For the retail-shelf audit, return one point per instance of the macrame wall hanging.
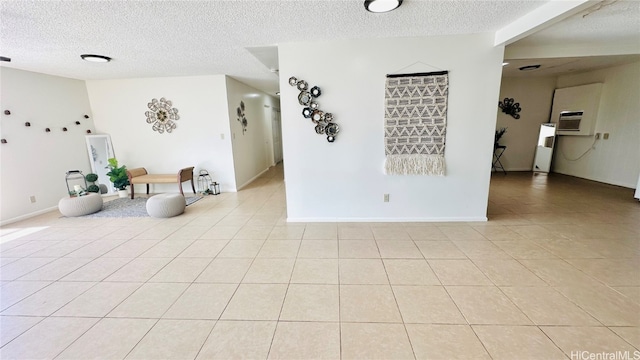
(415, 123)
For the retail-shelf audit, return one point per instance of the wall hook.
(27, 124)
(4, 141)
(47, 130)
(7, 112)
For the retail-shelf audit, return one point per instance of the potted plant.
(499, 133)
(118, 176)
(92, 178)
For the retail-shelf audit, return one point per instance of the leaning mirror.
(100, 150)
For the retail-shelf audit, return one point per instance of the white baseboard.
(27, 216)
(604, 181)
(512, 169)
(429, 219)
(519, 169)
(238, 188)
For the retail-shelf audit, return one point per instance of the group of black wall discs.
(307, 98)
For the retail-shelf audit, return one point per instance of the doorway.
(276, 123)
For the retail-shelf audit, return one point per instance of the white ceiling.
(238, 38)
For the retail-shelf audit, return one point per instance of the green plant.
(92, 178)
(118, 174)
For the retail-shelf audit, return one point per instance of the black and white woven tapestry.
(415, 123)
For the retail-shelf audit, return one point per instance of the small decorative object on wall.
(324, 124)
(162, 115)
(415, 123)
(48, 128)
(510, 107)
(4, 141)
(241, 118)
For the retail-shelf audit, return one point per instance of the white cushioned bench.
(141, 176)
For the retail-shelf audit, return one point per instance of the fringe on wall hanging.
(415, 123)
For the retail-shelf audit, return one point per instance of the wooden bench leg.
(132, 192)
(193, 186)
(147, 189)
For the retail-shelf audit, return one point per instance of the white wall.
(202, 137)
(253, 149)
(344, 180)
(616, 160)
(34, 162)
(535, 95)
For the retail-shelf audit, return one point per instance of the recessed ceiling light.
(4, 58)
(380, 6)
(529, 67)
(95, 58)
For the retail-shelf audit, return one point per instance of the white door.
(277, 135)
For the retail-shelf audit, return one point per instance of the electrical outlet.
(605, 136)
(386, 197)
(597, 136)
(32, 198)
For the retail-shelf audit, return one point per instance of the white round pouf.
(166, 205)
(80, 205)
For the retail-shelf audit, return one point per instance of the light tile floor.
(553, 275)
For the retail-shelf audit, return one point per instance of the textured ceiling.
(565, 65)
(607, 21)
(177, 38)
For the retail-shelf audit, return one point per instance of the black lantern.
(204, 179)
(75, 176)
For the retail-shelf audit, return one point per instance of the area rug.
(415, 123)
(125, 207)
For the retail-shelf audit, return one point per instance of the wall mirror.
(100, 150)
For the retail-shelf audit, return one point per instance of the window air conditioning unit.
(570, 120)
(575, 109)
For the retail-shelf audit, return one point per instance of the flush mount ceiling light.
(380, 6)
(95, 58)
(529, 67)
